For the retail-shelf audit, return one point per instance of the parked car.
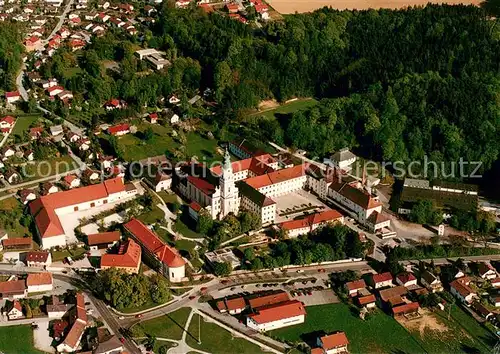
(138, 316)
(121, 317)
(122, 339)
(192, 297)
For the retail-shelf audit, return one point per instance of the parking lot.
(310, 291)
(295, 204)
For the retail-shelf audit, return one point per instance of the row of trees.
(11, 49)
(329, 243)
(123, 290)
(230, 226)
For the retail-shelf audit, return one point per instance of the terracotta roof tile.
(35, 279)
(37, 256)
(333, 341)
(129, 256)
(279, 311)
(276, 297)
(103, 238)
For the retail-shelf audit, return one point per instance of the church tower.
(228, 191)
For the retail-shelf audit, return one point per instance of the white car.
(121, 317)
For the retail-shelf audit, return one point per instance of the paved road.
(61, 21)
(19, 83)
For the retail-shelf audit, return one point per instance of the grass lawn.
(169, 326)
(216, 339)
(47, 168)
(185, 245)
(203, 148)
(288, 108)
(58, 256)
(169, 197)
(152, 216)
(149, 304)
(186, 226)
(23, 123)
(380, 333)
(17, 340)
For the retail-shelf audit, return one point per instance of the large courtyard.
(294, 205)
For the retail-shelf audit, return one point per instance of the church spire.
(227, 161)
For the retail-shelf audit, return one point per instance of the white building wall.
(262, 327)
(54, 241)
(40, 288)
(176, 274)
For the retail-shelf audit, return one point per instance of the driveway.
(41, 337)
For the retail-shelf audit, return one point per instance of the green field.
(380, 333)
(152, 216)
(186, 231)
(17, 340)
(287, 108)
(47, 168)
(169, 326)
(216, 339)
(58, 256)
(461, 333)
(23, 123)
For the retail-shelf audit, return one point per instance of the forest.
(395, 85)
(11, 49)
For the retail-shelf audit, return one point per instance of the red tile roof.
(259, 165)
(12, 287)
(43, 209)
(12, 94)
(195, 206)
(103, 238)
(461, 288)
(149, 240)
(279, 311)
(201, 184)
(118, 128)
(8, 119)
(356, 195)
(74, 334)
(35, 279)
(70, 178)
(406, 308)
(270, 299)
(235, 304)
(277, 176)
(379, 278)
(37, 256)
(129, 256)
(355, 285)
(12, 242)
(333, 341)
(368, 299)
(406, 277)
(312, 220)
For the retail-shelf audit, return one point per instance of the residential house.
(119, 130)
(21, 243)
(13, 96)
(406, 279)
(495, 282)
(29, 155)
(111, 346)
(114, 104)
(13, 289)
(56, 309)
(7, 152)
(71, 181)
(354, 286)
(333, 343)
(173, 99)
(48, 188)
(7, 122)
(431, 282)
(14, 310)
(382, 280)
(26, 195)
(153, 118)
(495, 300)
(90, 175)
(32, 43)
(405, 309)
(36, 133)
(162, 181)
(367, 301)
(171, 117)
(54, 91)
(56, 129)
(38, 259)
(78, 317)
(462, 291)
(486, 271)
(481, 310)
(39, 282)
(12, 177)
